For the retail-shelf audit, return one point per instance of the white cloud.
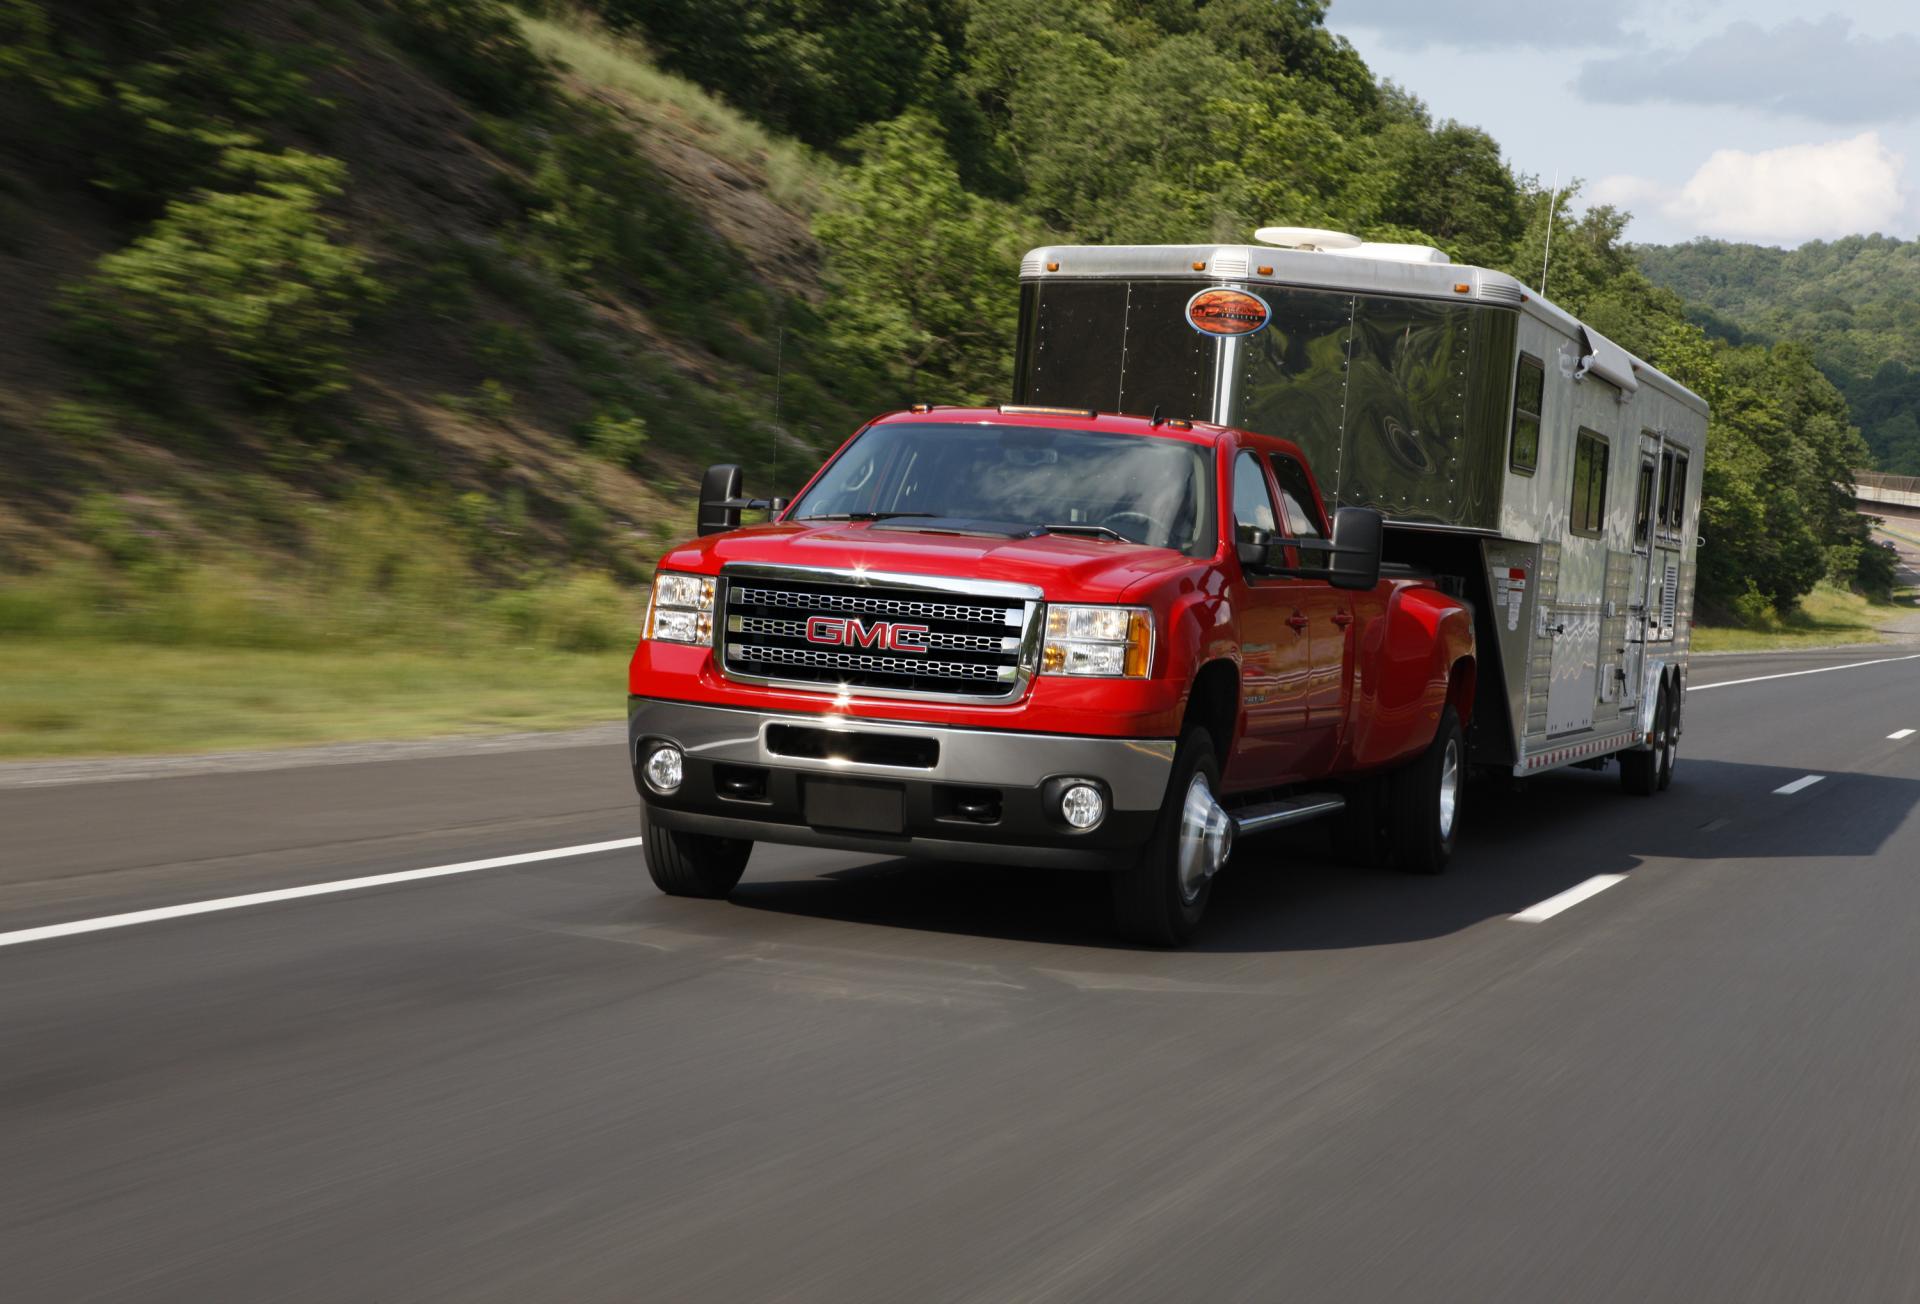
(1478, 24)
(1776, 196)
(1818, 69)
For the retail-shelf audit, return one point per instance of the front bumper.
(963, 794)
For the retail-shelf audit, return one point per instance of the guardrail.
(1887, 490)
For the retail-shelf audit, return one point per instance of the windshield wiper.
(862, 516)
(1077, 527)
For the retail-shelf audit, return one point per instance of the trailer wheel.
(1423, 801)
(1159, 900)
(1642, 770)
(1670, 746)
(691, 864)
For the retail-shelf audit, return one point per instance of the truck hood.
(1059, 565)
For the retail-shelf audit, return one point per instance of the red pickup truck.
(1047, 637)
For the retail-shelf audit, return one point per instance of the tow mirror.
(1255, 547)
(721, 503)
(1355, 563)
(719, 500)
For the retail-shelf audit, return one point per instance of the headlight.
(1108, 642)
(681, 610)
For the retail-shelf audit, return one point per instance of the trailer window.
(1643, 504)
(1676, 501)
(1296, 498)
(1590, 456)
(1529, 390)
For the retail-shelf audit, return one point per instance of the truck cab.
(1046, 636)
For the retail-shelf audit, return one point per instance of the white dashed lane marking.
(1787, 790)
(1573, 896)
(1898, 734)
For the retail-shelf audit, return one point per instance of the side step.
(1288, 810)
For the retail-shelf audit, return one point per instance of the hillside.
(268, 260)
(1855, 301)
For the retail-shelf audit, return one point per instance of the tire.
(1151, 904)
(691, 864)
(1423, 801)
(1670, 752)
(1359, 831)
(1641, 769)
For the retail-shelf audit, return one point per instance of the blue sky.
(1761, 121)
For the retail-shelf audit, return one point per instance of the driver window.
(1252, 504)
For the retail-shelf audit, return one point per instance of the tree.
(922, 271)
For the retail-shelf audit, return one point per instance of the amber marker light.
(1053, 267)
(1264, 271)
(1199, 267)
(1462, 288)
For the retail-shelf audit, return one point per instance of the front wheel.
(691, 864)
(1160, 899)
(1423, 801)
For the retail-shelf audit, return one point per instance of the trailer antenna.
(1546, 248)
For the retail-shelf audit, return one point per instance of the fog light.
(1082, 806)
(663, 769)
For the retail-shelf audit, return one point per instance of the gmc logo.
(889, 637)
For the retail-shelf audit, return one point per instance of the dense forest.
(298, 280)
(1854, 302)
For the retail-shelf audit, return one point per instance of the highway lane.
(861, 1080)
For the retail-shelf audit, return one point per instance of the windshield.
(1151, 491)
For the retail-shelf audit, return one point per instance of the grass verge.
(65, 699)
(1827, 617)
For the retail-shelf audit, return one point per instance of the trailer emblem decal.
(883, 634)
(1227, 312)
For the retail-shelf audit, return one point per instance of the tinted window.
(1643, 504)
(1252, 505)
(1589, 507)
(1677, 500)
(1152, 491)
(1296, 498)
(1529, 391)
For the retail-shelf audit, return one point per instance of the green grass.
(1826, 617)
(68, 699)
(621, 64)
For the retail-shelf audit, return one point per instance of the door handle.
(1343, 618)
(1298, 620)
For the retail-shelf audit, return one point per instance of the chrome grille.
(974, 638)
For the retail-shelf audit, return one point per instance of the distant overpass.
(1887, 495)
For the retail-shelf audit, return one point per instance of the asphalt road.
(861, 1080)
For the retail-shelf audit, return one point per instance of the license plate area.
(849, 804)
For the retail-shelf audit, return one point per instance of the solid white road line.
(1898, 734)
(311, 890)
(1787, 790)
(1573, 896)
(1821, 670)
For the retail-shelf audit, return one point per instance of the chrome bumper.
(1135, 770)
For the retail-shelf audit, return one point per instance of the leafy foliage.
(255, 276)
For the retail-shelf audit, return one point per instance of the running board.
(1288, 810)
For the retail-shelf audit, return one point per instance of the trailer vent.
(1030, 266)
(1230, 267)
(1503, 290)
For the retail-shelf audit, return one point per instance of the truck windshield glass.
(1151, 491)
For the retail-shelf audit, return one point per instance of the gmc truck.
(1047, 636)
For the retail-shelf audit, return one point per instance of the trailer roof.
(1352, 272)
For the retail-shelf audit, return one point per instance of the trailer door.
(1575, 618)
(1642, 614)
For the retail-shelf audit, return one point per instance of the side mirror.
(1356, 548)
(719, 500)
(1255, 547)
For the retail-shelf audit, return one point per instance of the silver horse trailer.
(1516, 453)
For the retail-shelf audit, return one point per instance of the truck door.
(1330, 621)
(1275, 648)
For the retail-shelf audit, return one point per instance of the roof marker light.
(1053, 267)
(1462, 288)
(1264, 271)
(1199, 267)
